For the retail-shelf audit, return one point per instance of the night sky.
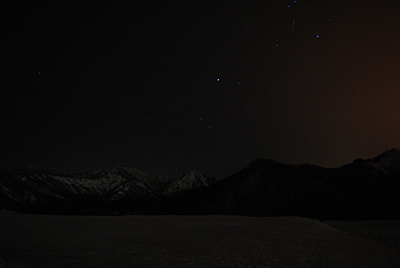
(174, 86)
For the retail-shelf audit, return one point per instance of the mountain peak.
(388, 154)
(387, 161)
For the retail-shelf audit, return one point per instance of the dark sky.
(197, 85)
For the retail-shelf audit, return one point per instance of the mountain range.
(109, 191)
(363, 189)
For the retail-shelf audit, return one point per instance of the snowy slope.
(182, 241)
(36, 187)
(386, 162)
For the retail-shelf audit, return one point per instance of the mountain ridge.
(32, 190)
(268, 188)
(363, 189)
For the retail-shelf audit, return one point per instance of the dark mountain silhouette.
(364, 189)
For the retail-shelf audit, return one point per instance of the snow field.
(183, 241)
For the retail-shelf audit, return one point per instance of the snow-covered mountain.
(191, 180)
(104, 189)
(363, 189)
(386, 162)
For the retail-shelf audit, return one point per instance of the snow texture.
(386, 162)
(183, 241)
(113, 184)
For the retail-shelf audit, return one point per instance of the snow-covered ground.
(183, 241)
